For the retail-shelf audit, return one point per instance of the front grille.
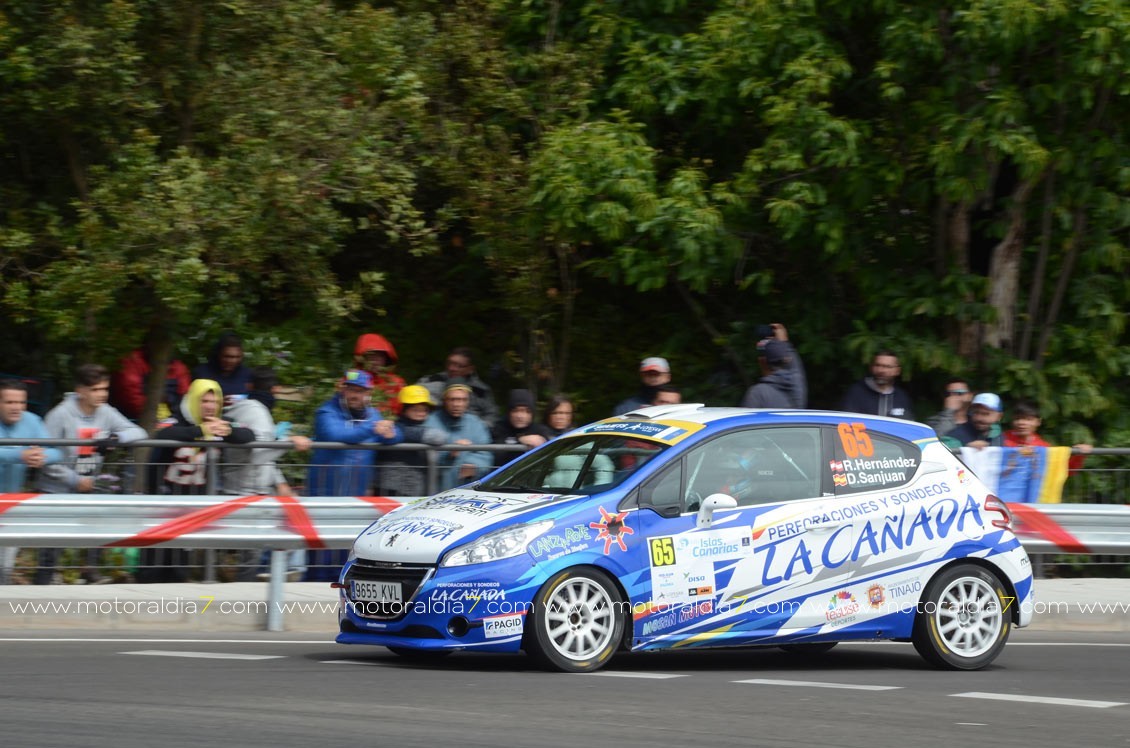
(409, 576)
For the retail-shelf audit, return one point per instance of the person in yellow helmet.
(404, 473)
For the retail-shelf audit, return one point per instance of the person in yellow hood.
(184, 470)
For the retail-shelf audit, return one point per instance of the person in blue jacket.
(463, 428)
(17, 423)
(346, 417)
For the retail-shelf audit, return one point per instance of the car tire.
(578, 623)
(962, 621)
(808, 650)
(420, 655)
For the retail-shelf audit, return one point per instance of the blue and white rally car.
(684, 526)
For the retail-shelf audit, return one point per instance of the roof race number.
(855, 440)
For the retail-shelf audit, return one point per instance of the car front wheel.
(577, 621)
(962, 622)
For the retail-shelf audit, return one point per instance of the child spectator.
(1025, 422)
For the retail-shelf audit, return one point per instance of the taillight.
(993, 504)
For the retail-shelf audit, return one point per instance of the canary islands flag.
(1026, 475)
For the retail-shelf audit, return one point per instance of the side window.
(866, 461)
(757, 466)
(664, 492)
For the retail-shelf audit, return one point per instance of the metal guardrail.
(274, 523)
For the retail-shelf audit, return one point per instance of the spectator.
(460, 366)
(559, 414)
(518, 427)
(654, 371)
(955, 408)
(254, 472)
(225, 365)
(879, 394)
(1025, 422)
(83, 414)
(184, 470)
(464, 428)
(346, 417)
(783, 382)
(667, 394)
(17, 423)
(128, 386)
(983, 428)
(404, 473)
(374, 354)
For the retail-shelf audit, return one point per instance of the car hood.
(421, 531)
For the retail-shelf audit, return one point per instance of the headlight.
(351, 557)
(505, 543)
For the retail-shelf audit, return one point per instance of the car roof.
(712, 418)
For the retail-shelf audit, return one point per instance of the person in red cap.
(374, 354)
(654, 372)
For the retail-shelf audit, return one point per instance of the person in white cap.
(654, 372)
(983, 429)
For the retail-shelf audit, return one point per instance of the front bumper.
(481, 607)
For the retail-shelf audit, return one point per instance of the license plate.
(377, 592)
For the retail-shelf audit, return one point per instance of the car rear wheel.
(962, 621)
(577, 621)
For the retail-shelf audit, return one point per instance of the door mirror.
(714, 501)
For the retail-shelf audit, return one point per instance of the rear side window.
(868, 461)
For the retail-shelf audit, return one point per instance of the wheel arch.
(1009, 588)
(629, 622)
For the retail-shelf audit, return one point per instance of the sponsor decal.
(962, 476)
(700, 591)
(668, 432)
(612, 530)
(876, 537)
(469, 503)
(690, 612)
(425, 527)
(391, 539)
(718, 545)
(875, 597)
(470, 585)
(904, 587)
(840, 514)
(842, 608)
(658, 624)
(573, 539)
(497, 626)
(468, 594)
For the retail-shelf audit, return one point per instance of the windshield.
(579, 465)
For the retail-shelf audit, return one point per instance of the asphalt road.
(69, 689)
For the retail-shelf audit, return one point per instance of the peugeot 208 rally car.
(687, 526)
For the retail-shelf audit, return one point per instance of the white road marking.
(816, 684)
(202, 655)
(350, 662)
(1038, 699)
(972, 724)
(652, 676)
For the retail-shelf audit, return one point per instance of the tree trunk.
(1004, 273)
(1076, 240)
(1036, 290)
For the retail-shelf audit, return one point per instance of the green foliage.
(571, 186)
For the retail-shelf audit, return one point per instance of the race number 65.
(855, 440)
(662, 552)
